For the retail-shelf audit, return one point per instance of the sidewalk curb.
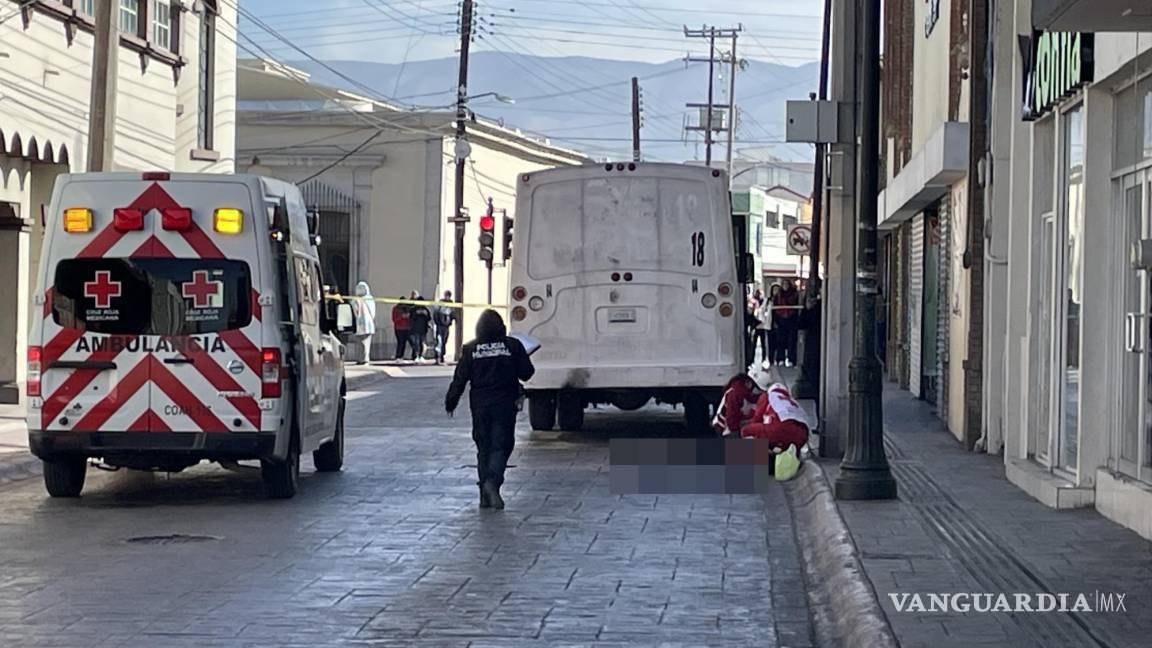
(844, 606)
(18, 466)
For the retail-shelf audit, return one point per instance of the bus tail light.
(33, 381)
(519, 313)
(536, 303)
(270, 373)
(726, 310)
(725, 289)
(708, 300)
(77, 220)
(519, 293)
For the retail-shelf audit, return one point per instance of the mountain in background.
(585, 103)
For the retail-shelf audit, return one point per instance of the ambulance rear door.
(208, 291)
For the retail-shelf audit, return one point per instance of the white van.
(629, 275)
(182, 320)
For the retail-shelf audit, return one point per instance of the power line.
(707, 11)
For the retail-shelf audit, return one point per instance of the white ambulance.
(183, 320)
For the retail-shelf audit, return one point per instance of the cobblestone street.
(394, 552)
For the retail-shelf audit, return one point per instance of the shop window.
(1073, 190)
(1134, 115)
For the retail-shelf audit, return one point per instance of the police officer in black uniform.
(495, 364)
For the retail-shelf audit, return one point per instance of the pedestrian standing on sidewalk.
(364, 307)
(766, 331)
(419, 321)
(443, 317)
(494, 364)
(787, 319)
(401, 323)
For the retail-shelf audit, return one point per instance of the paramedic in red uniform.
(495, 364)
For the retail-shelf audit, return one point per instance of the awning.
(942, 162)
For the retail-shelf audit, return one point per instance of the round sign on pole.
(800, 240)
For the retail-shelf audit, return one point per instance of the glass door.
(1132, 453)
(1044, 277)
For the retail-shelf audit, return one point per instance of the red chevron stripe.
(100, 245)
(184, 398)
(221, 380)
(204, 247)
(60, 343)
(116, 398)
(149, 422)
(73, 385)
(244, 348)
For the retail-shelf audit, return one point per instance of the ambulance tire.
(282, 478)
(542, 411)
(65, 477)
(570, 412)
(697, 420)
(329, 457)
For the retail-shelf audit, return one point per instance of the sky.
(394, 31)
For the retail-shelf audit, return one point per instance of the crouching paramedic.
(494, 364)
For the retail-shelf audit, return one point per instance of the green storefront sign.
(1057, 64)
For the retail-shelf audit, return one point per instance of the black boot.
(484, 499)
(493, 492)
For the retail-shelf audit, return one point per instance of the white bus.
(631, 277)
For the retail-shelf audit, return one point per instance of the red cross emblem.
(102, 289)
(202, 292)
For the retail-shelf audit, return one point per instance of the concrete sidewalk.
(15, 461)
(960, 526)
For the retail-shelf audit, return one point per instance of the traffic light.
(487, 236)
(508, 237)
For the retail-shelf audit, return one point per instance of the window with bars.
(162, 24)
(129, 20)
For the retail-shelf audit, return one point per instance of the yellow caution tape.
(414, 302)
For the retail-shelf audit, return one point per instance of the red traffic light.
(487, 223)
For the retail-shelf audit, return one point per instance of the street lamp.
(496, 95)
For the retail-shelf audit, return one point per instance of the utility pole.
(461, 152)
(102, 101)
(864, 472)
(808, 384)
(712, 33)
(732, 103)
(635, 119)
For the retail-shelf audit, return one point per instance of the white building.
(1068, 388)
(175, 110)
(383, 179)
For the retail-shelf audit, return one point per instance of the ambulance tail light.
(127, 220)
(519, 293)
(270, 373)
(725, 289)
(176, 219)
(228, 220)
(33, 382)
(77, 220)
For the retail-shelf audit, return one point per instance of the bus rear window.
(152, 296)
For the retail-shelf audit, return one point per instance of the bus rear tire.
(542, 411)
(696, 414)
(570, 412)
(65, 477)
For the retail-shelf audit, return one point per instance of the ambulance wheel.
(696, 414)
(65, 477)
(329, 457)
(281, 478)
(570, 412)
(542, 411)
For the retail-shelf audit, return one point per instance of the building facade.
(1069, 382)
(174, 110)
(383, 181)
(928, 324)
